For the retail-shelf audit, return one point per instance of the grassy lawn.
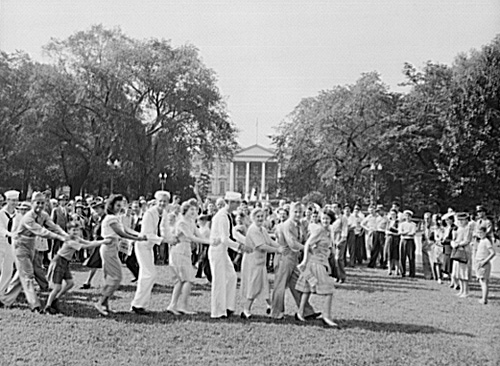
(384, 320)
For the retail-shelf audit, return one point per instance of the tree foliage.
(438, 144)
(105, 98)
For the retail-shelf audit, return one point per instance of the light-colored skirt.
(254, 280)
(462, 271)
(180, 262)
(315, 279)
(111, 264)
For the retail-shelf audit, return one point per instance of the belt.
(407, 238)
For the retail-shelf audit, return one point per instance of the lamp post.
(375, 169)
(114, 164)
(163, 180)
(336, 182)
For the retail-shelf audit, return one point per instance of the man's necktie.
(159, 226)
(10, 223)
(230, 227)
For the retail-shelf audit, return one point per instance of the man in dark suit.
(61, 218)
(290, 235)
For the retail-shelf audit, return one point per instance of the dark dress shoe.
(85, 286)
(312, 316)
(50, 310)
(2, 305)
(37, 309)
(229, 312)
(245, 316)
(139, 311)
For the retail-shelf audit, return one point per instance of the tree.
(108, 97)
(329, 142)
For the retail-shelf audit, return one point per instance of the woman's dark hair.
(187, 205)
(110, 203)
(331, 215)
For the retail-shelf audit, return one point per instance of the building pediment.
(254, 152)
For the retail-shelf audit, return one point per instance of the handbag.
(459, 254)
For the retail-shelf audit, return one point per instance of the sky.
(268, 55)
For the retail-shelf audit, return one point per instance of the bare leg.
(65, 288)
(184, 297)
(247, 307)
(484, 290)
(176, 293)
(327, 311)
(92, 273)
(303, 301)
(53, 295)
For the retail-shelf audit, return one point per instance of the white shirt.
(220, 229)
(4, 221)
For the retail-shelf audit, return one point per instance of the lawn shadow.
(397, 328)
(86, 310)
(366, 281)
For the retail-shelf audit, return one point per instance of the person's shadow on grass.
(82, 309)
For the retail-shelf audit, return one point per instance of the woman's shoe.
(85, 286)
(268, 310)
(173, 311)
(101, 309)
(330, 323)
(245, 315)
(186, 312)
(299, 317)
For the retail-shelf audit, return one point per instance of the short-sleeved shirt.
(483, 249)
(68, 249)
(106, 229)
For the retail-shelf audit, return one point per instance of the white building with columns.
(253, 172)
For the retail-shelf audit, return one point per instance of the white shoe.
(101, 309)
(330, 323)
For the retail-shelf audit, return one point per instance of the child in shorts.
(484, 254)
(59, 266)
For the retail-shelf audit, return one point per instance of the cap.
(12, 195)
(232, 196)
(38, 196)
(480, 208)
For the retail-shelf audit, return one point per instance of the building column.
(231, 177)
(247, 180)
(263, 182)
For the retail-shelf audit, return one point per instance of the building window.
(222, 187)
(222, 169)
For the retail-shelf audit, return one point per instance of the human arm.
(311, 243)
(195, 237)
(28, 221)
(126, 234)
(290, 238)
(263, 242)
(87, 244)
(491, 255)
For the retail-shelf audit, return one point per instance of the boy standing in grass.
(484, 254)
(59, 266)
